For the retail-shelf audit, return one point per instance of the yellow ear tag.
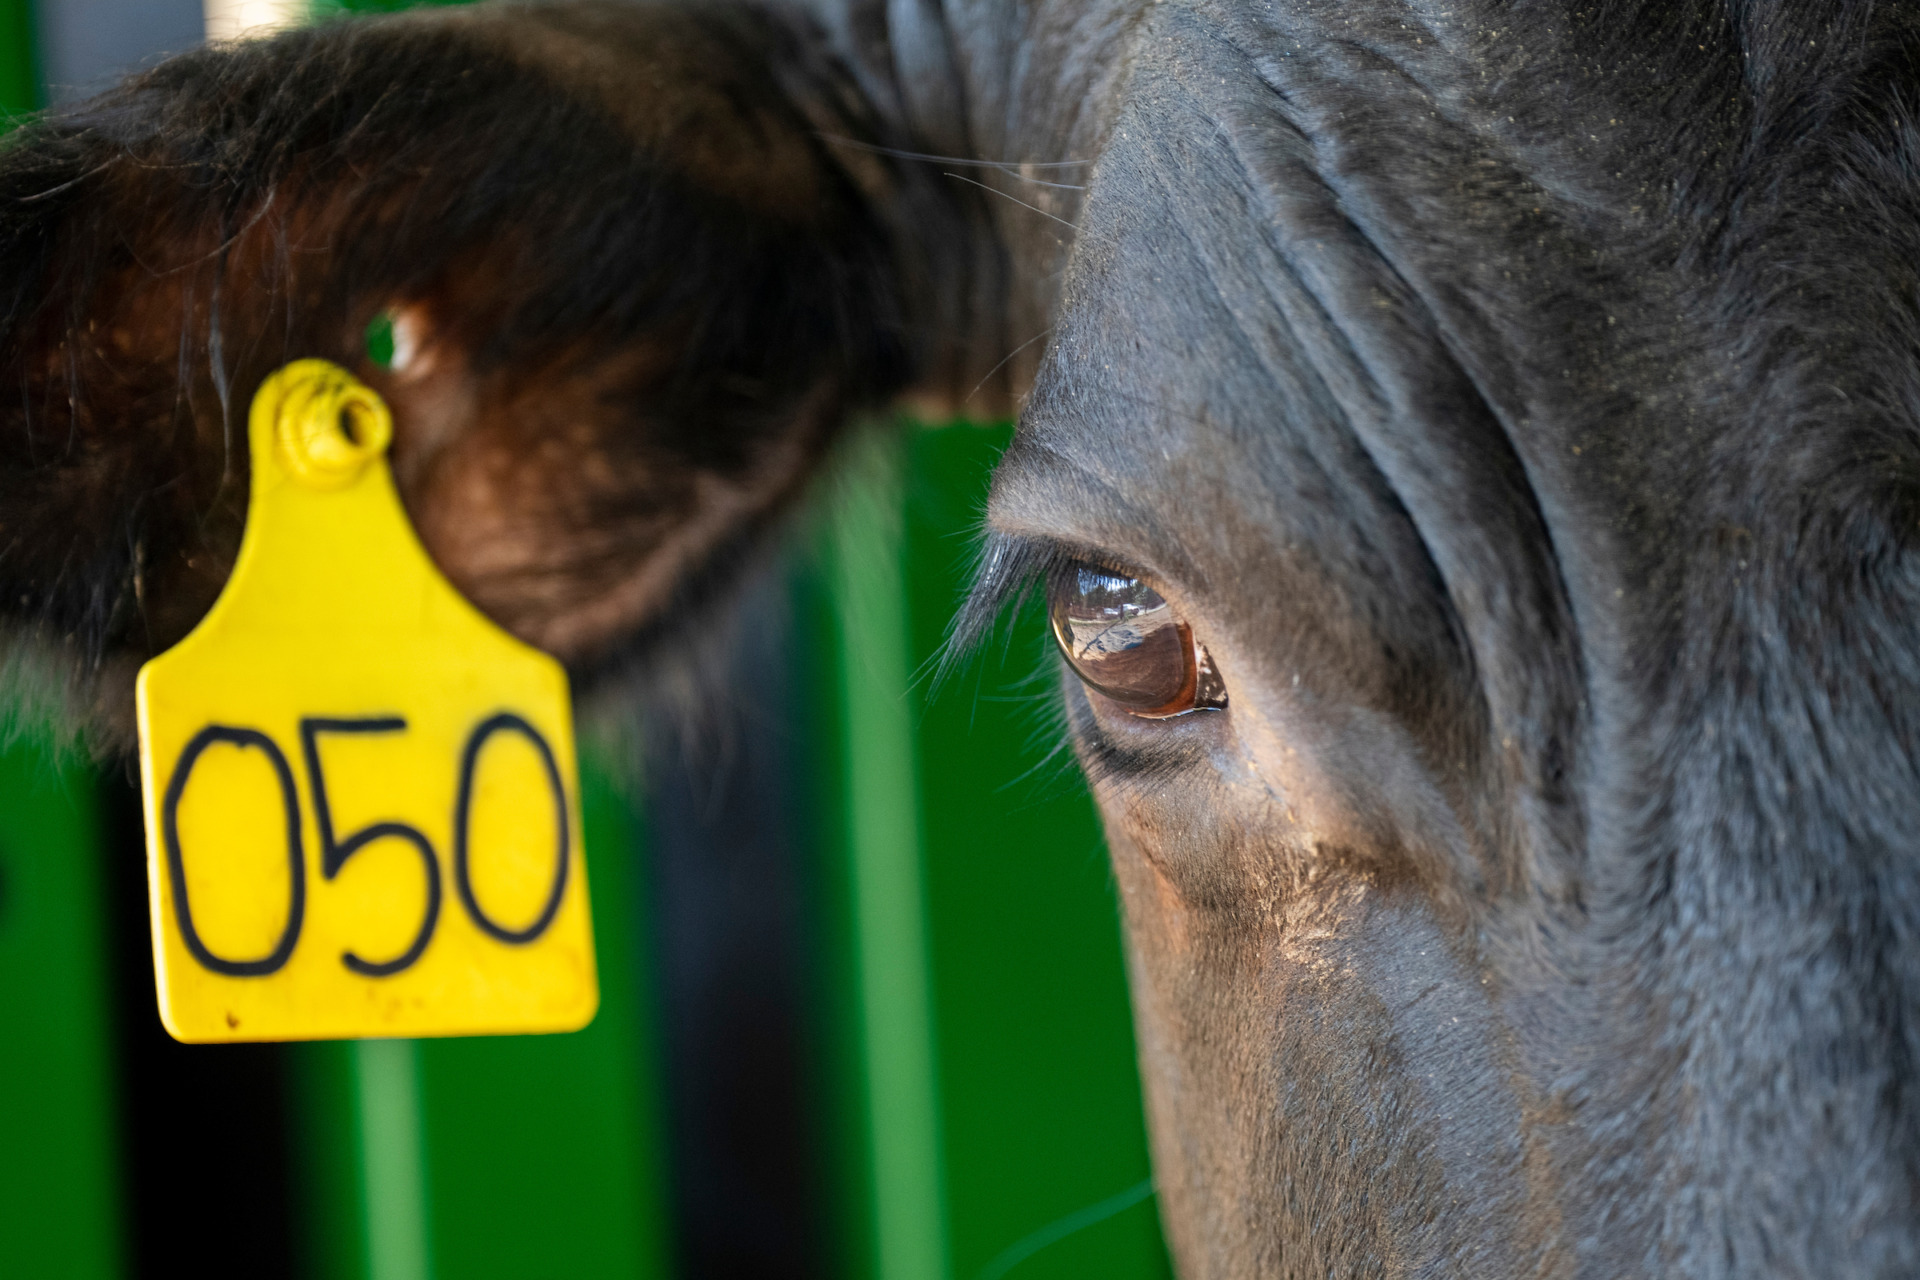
(362, 813)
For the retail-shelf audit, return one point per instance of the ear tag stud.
(362, 812)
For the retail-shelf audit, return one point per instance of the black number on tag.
(506, 721)
(176, 864)
(335, 852)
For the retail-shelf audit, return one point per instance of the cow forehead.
(1297, 256)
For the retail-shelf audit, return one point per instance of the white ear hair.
(409, 332)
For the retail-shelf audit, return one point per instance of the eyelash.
(1012, 570)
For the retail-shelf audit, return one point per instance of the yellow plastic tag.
(362, 814)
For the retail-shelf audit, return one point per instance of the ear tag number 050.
(362, 815)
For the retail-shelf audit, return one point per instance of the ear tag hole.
(328, 435)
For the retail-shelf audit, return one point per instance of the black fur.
(1522, 402)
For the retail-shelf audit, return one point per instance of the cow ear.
(637, 289)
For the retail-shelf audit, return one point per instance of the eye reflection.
(1124, 640)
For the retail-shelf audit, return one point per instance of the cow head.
(1492, 430)
(1518, 409)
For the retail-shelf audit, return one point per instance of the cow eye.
(1126, 642)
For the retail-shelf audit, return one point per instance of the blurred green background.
(863, 1006)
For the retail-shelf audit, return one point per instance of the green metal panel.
(843, 1117)
(393, 1186)
(960, 811)
(542, 1150)
(897, 1059)
(517, 1157)
(19, 58)
(329, 1185)
(59, 1209)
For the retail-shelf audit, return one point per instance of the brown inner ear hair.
(629, 368)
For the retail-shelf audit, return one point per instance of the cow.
(1470, 452)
